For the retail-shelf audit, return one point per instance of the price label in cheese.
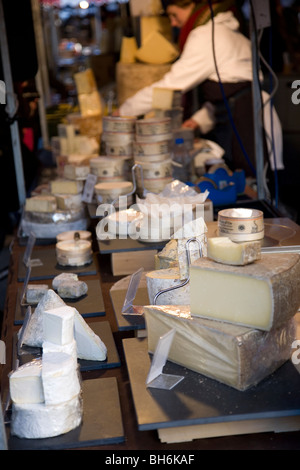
(88, 190)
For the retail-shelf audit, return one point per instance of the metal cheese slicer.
(186, 281)
(133, 191)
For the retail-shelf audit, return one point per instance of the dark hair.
(178, 3)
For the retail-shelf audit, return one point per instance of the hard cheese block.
(223, 250)
(156, 49)
(234, 355)
(166, 98)
(42, 203)
(262, 295)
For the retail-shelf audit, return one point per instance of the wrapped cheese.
(234, 355)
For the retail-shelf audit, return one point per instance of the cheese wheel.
(161, 279)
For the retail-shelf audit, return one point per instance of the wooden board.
(200, 401)
(89, 305)
(101, 424)
(49, 267)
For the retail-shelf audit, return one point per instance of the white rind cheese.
(72, 289)
(63, 277)
(34, 333)
(263, 295)
(224, 250)
(59, 325)
(234, 355)
(161, 279)
(38, 421)
(25, 383)
(70, 349)
(89, 345)
(35, 293)
(60, 378)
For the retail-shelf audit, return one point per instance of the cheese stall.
(141, 313)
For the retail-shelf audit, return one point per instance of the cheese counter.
(119, 412)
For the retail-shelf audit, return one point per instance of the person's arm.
(193, 67)
(204, 119)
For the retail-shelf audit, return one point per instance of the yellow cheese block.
(263, 295)
(166, 98)
(157, 50)
(155, 23)
(224, 250)
(64, 186)
(128, 51)
(42, 203)
(234, 355)
(85, 82)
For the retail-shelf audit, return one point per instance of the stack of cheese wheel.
(118, 135)
(151, 150)
(74, 252)
(109, 169)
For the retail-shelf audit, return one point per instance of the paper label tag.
(88, 190)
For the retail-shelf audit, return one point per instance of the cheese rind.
(72, 289)
(224, 250)
(35, 292)
(169, 278)
(235, 355)
(263, 295)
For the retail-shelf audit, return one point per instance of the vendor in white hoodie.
(195, 68)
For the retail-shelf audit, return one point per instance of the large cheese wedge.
(64, 186)
(169, 278)
(37, 421)
(224, 250)
(263, 295)
(89, 345)
(156, 49)
(234, 355)
(85, 81)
